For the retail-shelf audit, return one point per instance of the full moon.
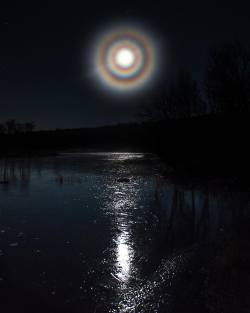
(125, 58)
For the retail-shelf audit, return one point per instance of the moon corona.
(125, 59)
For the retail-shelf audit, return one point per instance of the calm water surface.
(102, 232)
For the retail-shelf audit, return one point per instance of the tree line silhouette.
(12, 127)
(225, 88)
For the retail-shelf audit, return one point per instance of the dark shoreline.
(200, 147)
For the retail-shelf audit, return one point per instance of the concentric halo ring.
(125, 59)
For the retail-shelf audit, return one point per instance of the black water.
(106, 232)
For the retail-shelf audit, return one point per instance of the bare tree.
(2, 129)
(11, 126)
(187, 97)
(29, 127)
(20, 128)
(178, 98)
(227, 81)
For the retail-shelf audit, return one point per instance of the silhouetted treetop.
(227, 81)
(12, 127)
(178, 98)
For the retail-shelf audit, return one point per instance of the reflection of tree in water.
(13, 171)
(19, 171)
(189, 214)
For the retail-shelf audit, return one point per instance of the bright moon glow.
(125, 58)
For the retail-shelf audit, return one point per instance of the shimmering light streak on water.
(121, 204)
(124, 255)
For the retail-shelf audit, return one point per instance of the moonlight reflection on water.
(121, 206)
(124, 197)
(124, 256)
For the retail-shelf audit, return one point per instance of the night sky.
(44, 72)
